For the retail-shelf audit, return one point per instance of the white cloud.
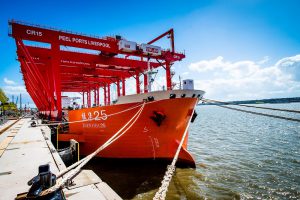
(290, 65)
(9, 82)
(14, 90)
(264, 60)
(208, 65)
(247, 79)
(184, 74)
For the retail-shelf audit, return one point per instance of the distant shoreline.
(259, 101)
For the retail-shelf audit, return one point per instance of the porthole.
(172, 96)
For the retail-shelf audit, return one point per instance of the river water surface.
(238, 155)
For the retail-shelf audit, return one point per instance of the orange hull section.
(145, 139)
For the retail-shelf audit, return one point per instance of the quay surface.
(24, 148)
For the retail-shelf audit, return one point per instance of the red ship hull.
(145, 139)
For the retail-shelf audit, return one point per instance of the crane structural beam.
(72, 62)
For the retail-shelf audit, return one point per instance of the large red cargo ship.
(160, 117)
(156, 133)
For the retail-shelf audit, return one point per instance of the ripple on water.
(239, 156)
(254, 156)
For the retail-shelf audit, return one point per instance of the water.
(238, 155)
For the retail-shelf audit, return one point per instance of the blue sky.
(235, 49)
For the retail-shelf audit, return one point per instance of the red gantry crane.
(49, 71)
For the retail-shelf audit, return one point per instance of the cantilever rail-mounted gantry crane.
(49, 71)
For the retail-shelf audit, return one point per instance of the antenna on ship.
(179, 82)
(149, 74)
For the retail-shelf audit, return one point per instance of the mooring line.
(262, 114)
(162, 191)
(112, 138)
(87, 120)
(266, 108)
(84, 161)
(251, 112)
